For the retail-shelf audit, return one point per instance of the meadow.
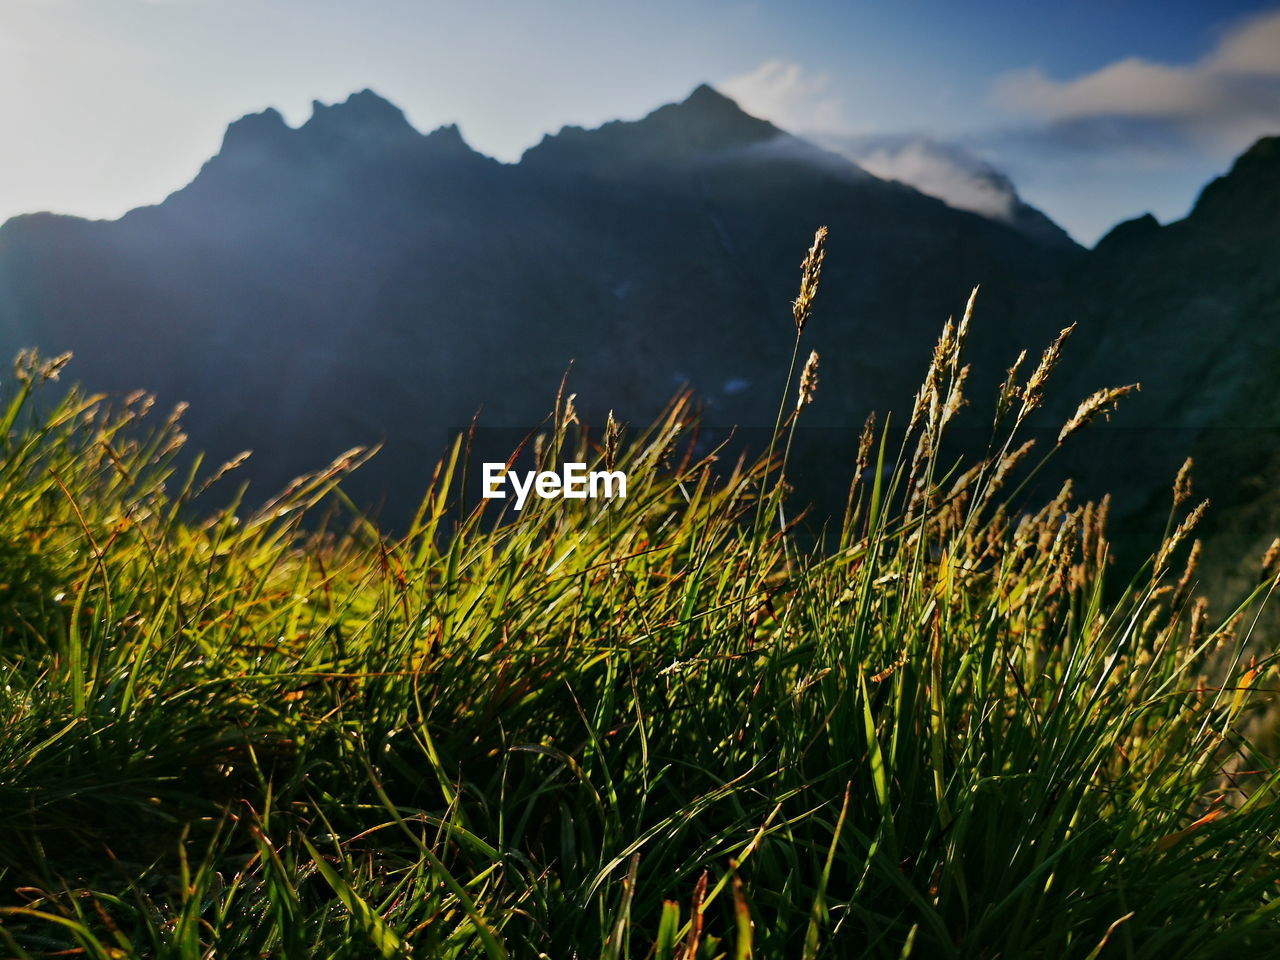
(663, 726)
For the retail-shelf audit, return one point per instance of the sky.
(1099, 110)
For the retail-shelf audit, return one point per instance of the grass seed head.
(963, 333)
(810, 274)
(612, 433)
(1100, 529)
(569, 416)
(53, 367)
(1175, 539)
(1269, 559)
(865, 442)
(1007, 464)
(1009, 389)
(928, 399)
(955, 398)
(177, 413)
(1101, 404)
(1188, 574)
(1199, 617)
(808, 381)
(1033, 393)
(1182, 484)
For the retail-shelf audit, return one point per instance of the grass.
(660, 727)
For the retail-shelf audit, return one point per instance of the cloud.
(943, 170)
(952, 172)
(789, 95)
(1221, 102)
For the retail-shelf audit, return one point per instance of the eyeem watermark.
(573, 483)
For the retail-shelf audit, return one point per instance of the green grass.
(659, 727)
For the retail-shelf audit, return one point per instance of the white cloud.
(942, 170)
(792, 97)
(1224, 100)
(1253, 48)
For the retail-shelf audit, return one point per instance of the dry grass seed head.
(1009, 389)
(1088, 531)
(808, 381)
(865, 442)
(53, 367)
(1100, 517)
(1199, 616)
(612, 433)
(570, 415)
(810, 274)
(928, 398)
(963, 333)
(1182, 483)
(178, 412)
(1175, 539)
(1188, 573)
(1269, 559)
(1101, 404)
(1008, 463)
(1033, 393)
(955, 399)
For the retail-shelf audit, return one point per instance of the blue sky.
(1099, 110)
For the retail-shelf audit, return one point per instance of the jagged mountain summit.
(705, 124)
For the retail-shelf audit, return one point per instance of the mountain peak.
(708, 120)
(1261, 159)
(448, 140)
(704, 123)
(255, 130)
(706, 96)
(363, 114)
(1139, 230)
(364, 120)
(1250, 192)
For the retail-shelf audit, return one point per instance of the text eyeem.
(573, 482)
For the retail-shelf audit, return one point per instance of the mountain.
(354, 280)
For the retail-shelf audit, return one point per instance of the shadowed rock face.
(354, 280)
